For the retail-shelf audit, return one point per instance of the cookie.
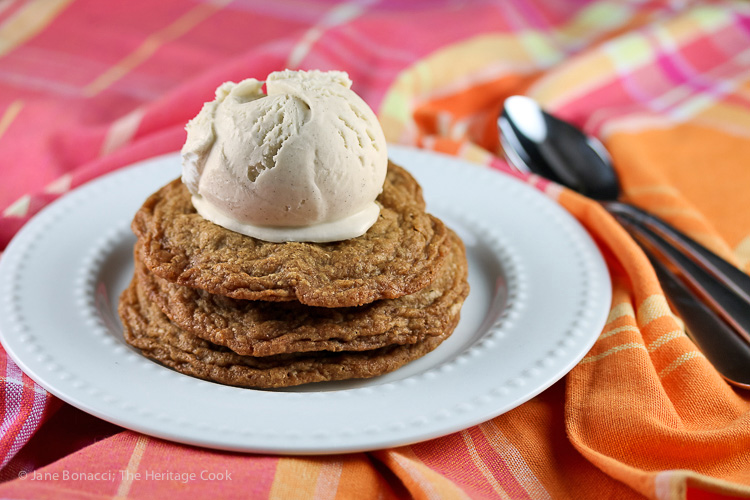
(400, 254)
(149, 330)
(258, 328)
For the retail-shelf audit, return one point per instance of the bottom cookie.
(149, 330)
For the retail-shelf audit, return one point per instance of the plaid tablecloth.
(88, 86)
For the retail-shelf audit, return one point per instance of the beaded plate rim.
(521, 246)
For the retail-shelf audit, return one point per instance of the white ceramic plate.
(540, 293)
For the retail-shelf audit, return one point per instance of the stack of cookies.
(225, 307)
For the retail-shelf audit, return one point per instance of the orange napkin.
(644, 406)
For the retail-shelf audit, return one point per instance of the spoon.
(535, 141)
(538, 142)
(729, 353)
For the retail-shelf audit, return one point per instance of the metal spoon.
(729, 353)
(538, 142)
(535, 141)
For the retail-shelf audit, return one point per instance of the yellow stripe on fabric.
(60, 185)
(436, 487)
(426, 76)
(473, 153)
(615, 331)
(653, 308)
(636, 123)
(595, 18)
(681, 28)
(608, 352)
(620, 310)
(487, 57)
(693, 106)
(726, 116)
(448, 70)
(679, 362)
(149, 46)
(395, 111)
(540, 47)
(481, 466)
(676, 211)
(693, 24)
(16, 382)
(415, 474)
(711, 18)
(295, 478)
(14, 108)
(19, 208)
(28, 21)
(517, 465)
(629, 52)
(122, 131)
(688, 104)
(670, 99)
(653, 189)
(663, 339)
(135, 460)
(581, 76)
(336, 16)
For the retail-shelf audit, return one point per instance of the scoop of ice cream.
(302, 162)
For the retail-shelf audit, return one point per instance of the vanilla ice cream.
(302, 162)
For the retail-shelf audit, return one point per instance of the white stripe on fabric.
(30, 425)
(481, 466)
(328, 480)
(515, 460)
(338, 15)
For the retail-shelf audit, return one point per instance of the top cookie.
(399, 255)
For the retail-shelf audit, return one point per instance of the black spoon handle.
(730, 306)
(732, 277)
(719, 342)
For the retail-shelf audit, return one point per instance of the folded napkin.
(88, 87)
